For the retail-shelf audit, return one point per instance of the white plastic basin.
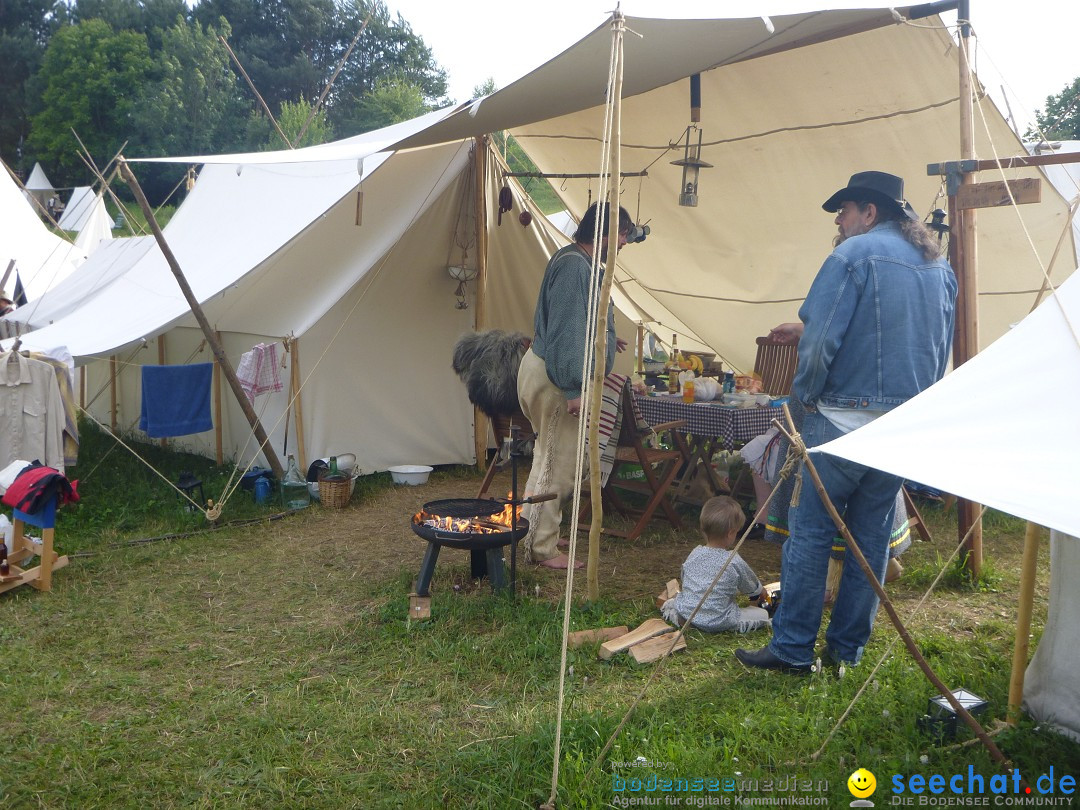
(411, 474)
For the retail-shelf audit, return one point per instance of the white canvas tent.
(80, 209)
(784, 126)
(782, 123)
(42, 258)
(972, 433)
(38, 187)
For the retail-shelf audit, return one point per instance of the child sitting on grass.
(721, 519)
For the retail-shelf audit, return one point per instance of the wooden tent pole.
(217, 410)
(967, 305)
(1023, 621)
(112, 393)
(204, 324)
(480, 144)
(163, 441)
(599, 358)
(297, 400)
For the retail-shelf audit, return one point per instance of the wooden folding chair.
(659, 466)
(914, 518)
(500, 426)
(775, 365)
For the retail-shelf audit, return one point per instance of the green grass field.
(273, 665)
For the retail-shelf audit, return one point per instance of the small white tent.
(79, 209)
(39, 188)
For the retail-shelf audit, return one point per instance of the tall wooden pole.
(480, 421)
(204, 324)
(1023, 620)
(298, 409)
(220, 420)
(599, 359)
(163, 442)
(112, 393)
(967, 309)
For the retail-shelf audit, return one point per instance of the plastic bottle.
(262, 489)
(673, 366)
(294, 488)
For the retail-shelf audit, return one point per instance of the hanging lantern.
(691, 161)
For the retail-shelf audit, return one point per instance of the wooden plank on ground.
(670, 591)
(581, 637)
(646, 630)
(994, 194)
(655, 648)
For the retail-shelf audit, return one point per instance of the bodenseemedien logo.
(862, 784)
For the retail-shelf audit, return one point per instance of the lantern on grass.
(940, 718)
(193, 489)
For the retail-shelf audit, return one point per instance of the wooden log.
(419, 606)
(671, 590)
(644, 631)
(655, 648)
(580, 638)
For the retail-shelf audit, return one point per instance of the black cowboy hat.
(882, 189)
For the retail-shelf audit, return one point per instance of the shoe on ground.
(757, 531)
(764, 659)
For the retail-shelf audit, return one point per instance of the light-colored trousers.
(554, 455)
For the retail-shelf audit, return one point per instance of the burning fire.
(492, 524)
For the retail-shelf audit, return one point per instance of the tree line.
(155, 78)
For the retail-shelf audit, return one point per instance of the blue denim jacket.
(878, 324)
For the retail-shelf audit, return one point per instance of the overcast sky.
(1036, 51)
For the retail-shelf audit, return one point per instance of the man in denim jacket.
(876, 329)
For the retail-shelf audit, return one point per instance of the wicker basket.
(335, 494)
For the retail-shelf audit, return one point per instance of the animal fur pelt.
(487, 363)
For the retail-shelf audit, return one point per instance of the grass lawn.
(273, 665)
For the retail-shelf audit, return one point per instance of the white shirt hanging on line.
(31, 412)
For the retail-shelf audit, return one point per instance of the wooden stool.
(22, 548)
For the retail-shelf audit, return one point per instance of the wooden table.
(709, 426)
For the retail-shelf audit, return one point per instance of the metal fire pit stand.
(485, 551)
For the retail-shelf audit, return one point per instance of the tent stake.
(208, 331)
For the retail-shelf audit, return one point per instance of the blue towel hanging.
(176, 400)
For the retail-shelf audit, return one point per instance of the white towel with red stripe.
(258, 371)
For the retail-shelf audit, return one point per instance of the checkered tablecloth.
(729, 425)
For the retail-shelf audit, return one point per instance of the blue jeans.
(866, 498)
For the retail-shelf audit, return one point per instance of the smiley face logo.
(861, 783)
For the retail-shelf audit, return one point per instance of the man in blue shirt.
(876, 329)
(550, 376)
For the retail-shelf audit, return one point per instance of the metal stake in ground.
(208, 331)
(909, 642)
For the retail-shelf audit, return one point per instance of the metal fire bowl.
(467, 508)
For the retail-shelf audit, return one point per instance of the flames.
(490, 524)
